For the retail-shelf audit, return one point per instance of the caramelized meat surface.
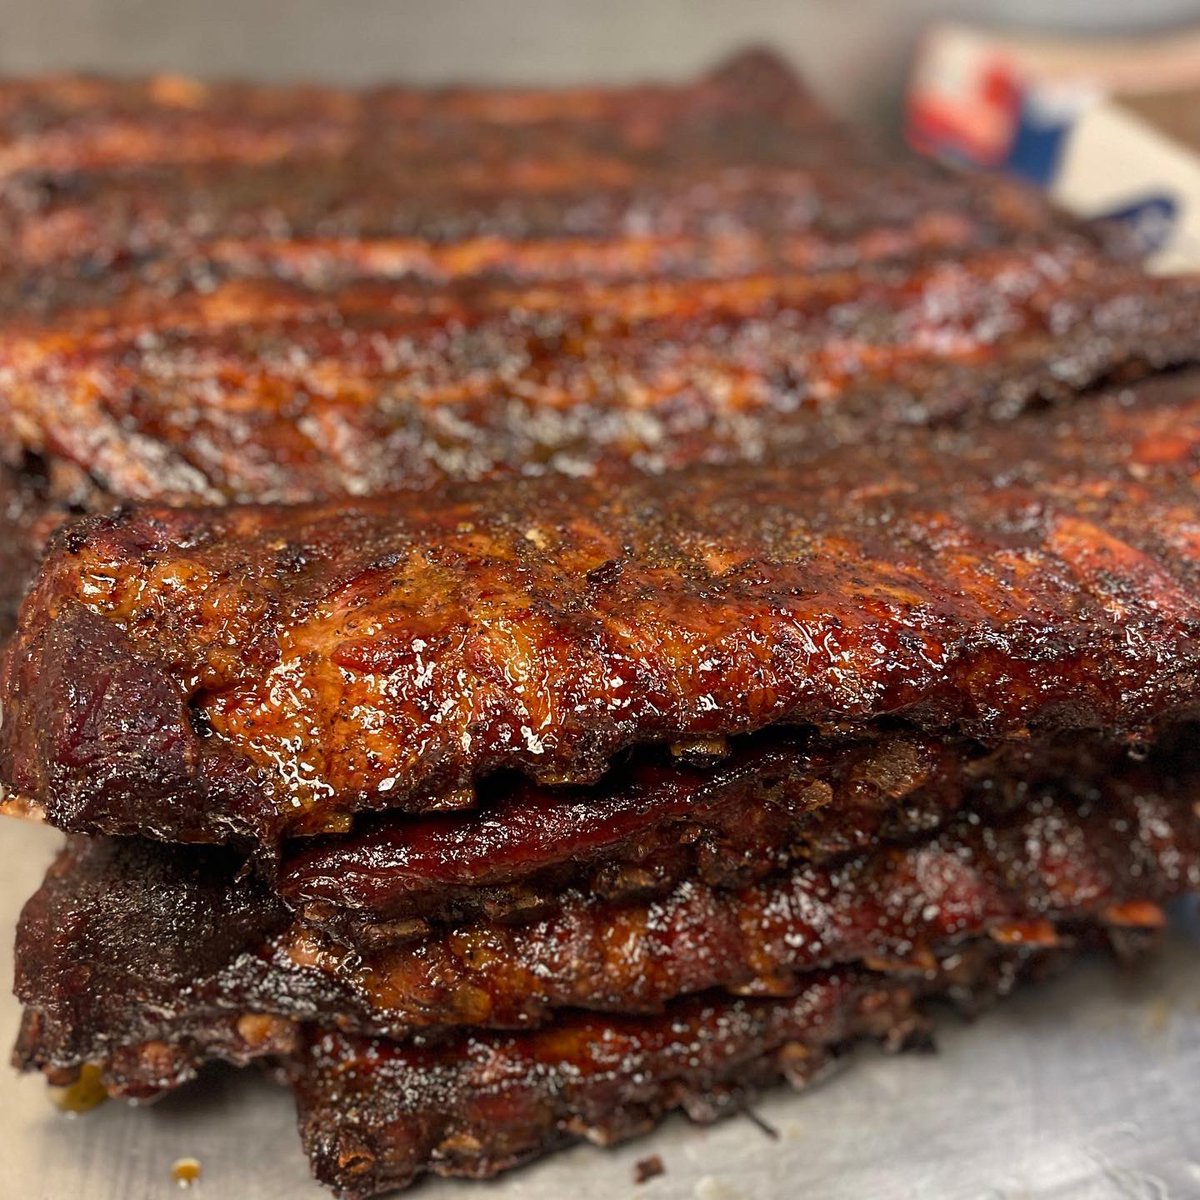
(251, 672)
(1051, 862)
(696, 718)
(1015, 878)
(129, 943)
(215, 293)
(739, 169)
(652, 825)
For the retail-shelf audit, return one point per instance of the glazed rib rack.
(555, 608)
(869, 752)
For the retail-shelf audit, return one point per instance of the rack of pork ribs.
(558, 607)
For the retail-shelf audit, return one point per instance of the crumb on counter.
(648, 1168)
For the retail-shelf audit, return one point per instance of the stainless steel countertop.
(1087, 1088)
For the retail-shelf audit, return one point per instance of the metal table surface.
(1084, 1087)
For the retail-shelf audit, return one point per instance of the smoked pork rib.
(655, 824)
(214, 293)
(174, 181)
(270, 391)
(277, 295)
(249, 672)
(1053, 863)
(131, 943)
(776, 800)
(375, 1115)
(102, 172)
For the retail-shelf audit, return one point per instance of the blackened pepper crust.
(129, 942)
(257, 671)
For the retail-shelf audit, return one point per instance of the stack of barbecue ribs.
(558, 607)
